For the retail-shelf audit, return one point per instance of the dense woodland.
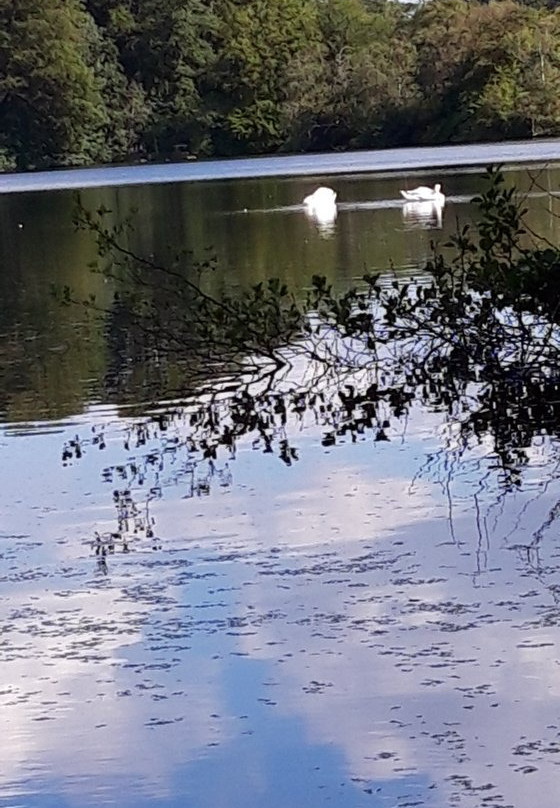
(95, 81)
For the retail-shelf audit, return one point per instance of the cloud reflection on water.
(327, 599)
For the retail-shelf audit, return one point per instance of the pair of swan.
(425, 194)
(324, 199)
(422, 203)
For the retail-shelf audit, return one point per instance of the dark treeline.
(92, 81)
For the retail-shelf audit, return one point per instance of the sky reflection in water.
(314, 634)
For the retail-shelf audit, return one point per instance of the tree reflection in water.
(476, 337)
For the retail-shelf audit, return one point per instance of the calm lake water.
(372, 625)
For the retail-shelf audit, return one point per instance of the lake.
(368, 623)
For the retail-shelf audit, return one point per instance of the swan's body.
(425, 194)
(323, 199)
(320, 206)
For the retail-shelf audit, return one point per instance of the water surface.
(375, 624)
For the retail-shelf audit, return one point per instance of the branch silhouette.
(476, 337)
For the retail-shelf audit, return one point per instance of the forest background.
(85, 82)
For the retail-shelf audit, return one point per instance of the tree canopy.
(86, 81)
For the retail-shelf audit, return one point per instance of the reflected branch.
(476, 338)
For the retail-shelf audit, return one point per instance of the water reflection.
(271, 238)
(324, 219)
(303, 634)
(426, 215)
(353, 620)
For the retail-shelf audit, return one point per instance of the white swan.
(425, 194)
(323, 199)
(320, 206)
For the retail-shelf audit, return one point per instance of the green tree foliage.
(52, 106)
(358, 78)
(487, 70)
(524, 91)
(261, 40)
(167, 47)
(124, 99)
(381, 94)
(84, 81)
(460, 47)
